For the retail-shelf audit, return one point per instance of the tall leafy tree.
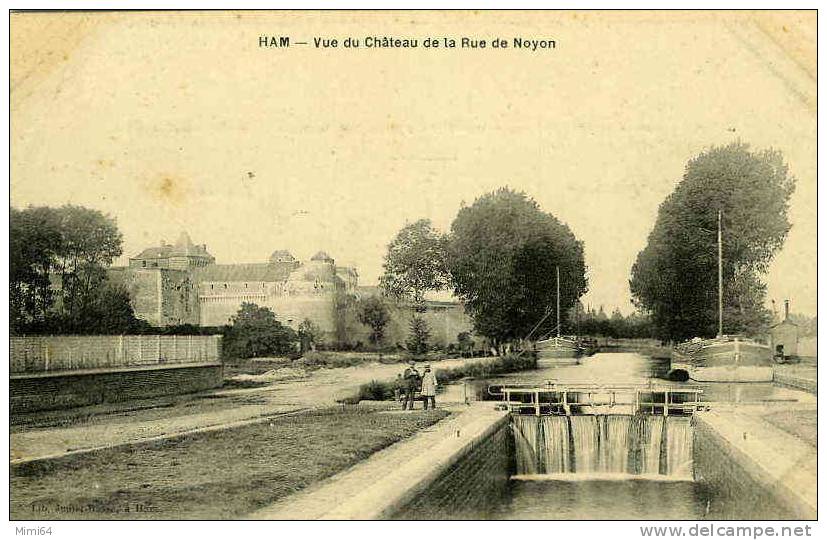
(502, 255)
(415, 263)
(675, 276)
(90, 241)
(57, 266)
(34, 244)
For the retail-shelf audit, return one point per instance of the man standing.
(429, 388)
(411, 377)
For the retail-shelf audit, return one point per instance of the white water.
(526, 440)
(605, 444)
(679, 447)
(556, 455)
(649, 435)
(614, 430)
(586, 436)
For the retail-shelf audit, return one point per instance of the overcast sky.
(182, 122)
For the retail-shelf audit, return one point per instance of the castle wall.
(220, 301)
(294, 308)
(143, 285)
(162, 296)
(445, 321)
(179, 302)
(177, 295)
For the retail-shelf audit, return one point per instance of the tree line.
(58, 260)
(502, 252)
(500, 258)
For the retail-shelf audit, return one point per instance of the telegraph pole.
(720, 280)
(557, 268)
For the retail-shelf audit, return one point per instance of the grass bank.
(384, 390)
(221, 475)
(799, 423)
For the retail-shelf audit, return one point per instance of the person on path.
(412, 381)
(399, 388)
(429, 385)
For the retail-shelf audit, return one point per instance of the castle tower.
(184, 254)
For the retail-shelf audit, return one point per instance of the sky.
(172, 122)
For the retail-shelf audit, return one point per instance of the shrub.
(255, 332)
(503, 364)
(310, 335)
(376, 391)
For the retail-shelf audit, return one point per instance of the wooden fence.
(43, 354)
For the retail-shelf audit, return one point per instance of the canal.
(605, 484)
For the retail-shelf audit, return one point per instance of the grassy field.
(222, 475)
(802, 424)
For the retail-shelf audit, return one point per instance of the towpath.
(208, 410)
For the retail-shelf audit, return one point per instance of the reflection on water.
(602, 499)
(634, 368)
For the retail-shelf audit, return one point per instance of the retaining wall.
(49, 392)
(457, 465)
(474, 481)
(799, 383)
(751, 471)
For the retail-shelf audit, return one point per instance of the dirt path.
(318, 389)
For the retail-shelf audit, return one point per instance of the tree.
(374, 314)
(90, 241)
(465, 343)
(255, 332)
(58, 259)
(415, 263)
(34, 242)
(674, 278)
(310, 335)
(502, 255)
(345, 317)
(596, 323)
(107, 310)
(417, 341)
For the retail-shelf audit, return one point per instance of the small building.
(784, 335)
(181, 256)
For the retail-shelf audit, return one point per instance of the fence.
(44, 354)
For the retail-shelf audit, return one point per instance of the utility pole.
(720, 279)
(557, 268)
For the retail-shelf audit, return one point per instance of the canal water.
(622, 368)
(611, 466)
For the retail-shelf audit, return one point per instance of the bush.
(329, 359)
(377, 391)
(310, 335)
(255, 332)
(374, 314)
(503, 364)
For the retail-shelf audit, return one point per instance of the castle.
(181, 284)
